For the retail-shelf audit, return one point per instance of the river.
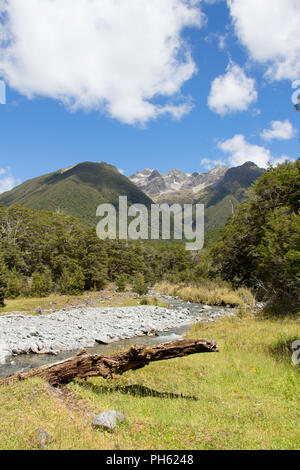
(22, 362)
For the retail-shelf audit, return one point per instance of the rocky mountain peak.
(175, 181)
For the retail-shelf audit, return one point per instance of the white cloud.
(270, 31)
(209, 164)
(222, 41)
(213, 1)
(281, 130)
(232, 92)
(240, 151)
(113, 56)
(7, 180)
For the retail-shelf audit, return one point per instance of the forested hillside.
(41, 252)
(76, 191)
(220, 201)
(260, 245)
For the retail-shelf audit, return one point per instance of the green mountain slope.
(221, 200)
(76, 191)
(80, 189)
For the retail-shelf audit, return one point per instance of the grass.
(279, 308)
(30, 405)
(106, 298)
(244, 397)
(208, 292)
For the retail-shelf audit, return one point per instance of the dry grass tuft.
(209, 292)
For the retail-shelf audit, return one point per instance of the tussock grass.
(208, 292)
(244, 397)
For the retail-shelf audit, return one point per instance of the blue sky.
(190, 90)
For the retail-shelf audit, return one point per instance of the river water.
(31, 361)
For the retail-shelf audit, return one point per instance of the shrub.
(14, 285)
(139, 285)
(72, 280)
(121, 283)
(41, 283)
(95, 278)
(2, 287)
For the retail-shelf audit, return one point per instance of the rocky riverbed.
(80, 328)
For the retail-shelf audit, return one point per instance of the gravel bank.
(82, 328)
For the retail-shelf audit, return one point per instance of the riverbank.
(80, 328)
(211, 292)
(244, 397)
(55, 302)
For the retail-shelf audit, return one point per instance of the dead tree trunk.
(84, 365)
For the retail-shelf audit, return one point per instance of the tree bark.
(84, 365)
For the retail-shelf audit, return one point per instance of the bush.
(15, 285)
(95, 278)
(139, 285)
(121, 283)
(72, 280)
(41, 283)
(2, 296)
(2, 287)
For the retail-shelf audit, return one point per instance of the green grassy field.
(244, 397)
(28, 305)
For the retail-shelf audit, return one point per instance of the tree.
(94, 262)
(41, 283)
(72, 279)
(2, 284)
(260, 244)
(139, 285)
(121, 282)
(43, 251)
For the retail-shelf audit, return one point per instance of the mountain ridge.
(79, 189)
(76, 191)
(155, 184)
(220, 190)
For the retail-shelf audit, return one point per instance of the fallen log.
(85, 365)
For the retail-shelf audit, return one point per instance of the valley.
(245, 397)
(149, 228)
(62, 289)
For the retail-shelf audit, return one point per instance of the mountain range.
(175, 181)
(220, 190)
(80, 189)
